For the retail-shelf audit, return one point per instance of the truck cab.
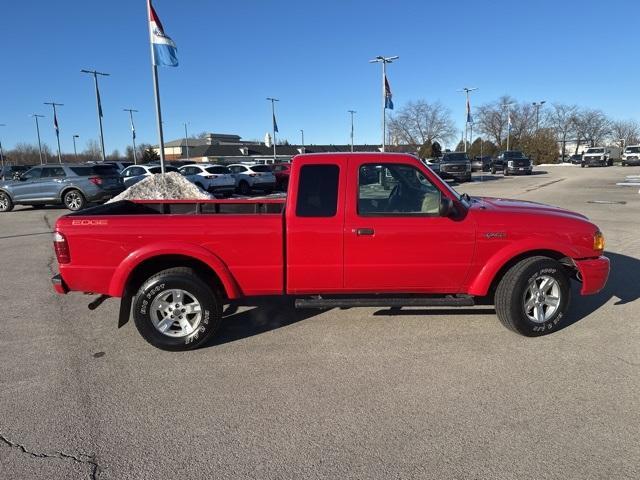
(600, 156)
(631, 156)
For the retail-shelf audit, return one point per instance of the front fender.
(480, 284)
(122, 273)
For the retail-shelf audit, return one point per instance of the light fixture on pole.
(36, 116)
(98, 105)
(275, 125)
(133, 133)
(56, 126)
(508, 107)
(468, 119)
(186, 139)
(386, 95)
(537, 106)
(352, 112)
(1, 152)
(75, 152)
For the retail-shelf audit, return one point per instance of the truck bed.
(245, 235)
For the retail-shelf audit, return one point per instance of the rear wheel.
(493, 170)
(533, 296)
(6, 204)
(176, 310)
(74, 200)
(244, 188)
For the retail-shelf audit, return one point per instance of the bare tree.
(421, 123)
(93, 150)
(592, 127)
(27, 154)
(491, 119)
(562, 121)
(625, 132)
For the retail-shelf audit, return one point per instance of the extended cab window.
(318, 191)
(395, 190)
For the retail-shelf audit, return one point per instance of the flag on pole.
(388, 102)
(133, 130)
(99, 102)
(164, 50)
(275, 125)
(55, 123)
(469, 117)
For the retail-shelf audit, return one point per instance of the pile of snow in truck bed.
(170, 186)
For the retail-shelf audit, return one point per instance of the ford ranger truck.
(356, 229)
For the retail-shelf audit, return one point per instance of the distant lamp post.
(99, 105)
(75, 152)
(352, 112)
(537, 106)
(508, 107)
(56, 126)
(468, 120)
(1, 152)
(275, 125)
(186, 139)
(386, 97)
(133, 133)
(302, 139)
(36, 116)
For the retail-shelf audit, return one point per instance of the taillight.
(95, 180)
(211, 176)
(61, 247)
(598, 242)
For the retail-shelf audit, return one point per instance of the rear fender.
(480, 285)
(122, 273)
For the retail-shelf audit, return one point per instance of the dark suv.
(452, 165)
(72, 185)
(512, 162)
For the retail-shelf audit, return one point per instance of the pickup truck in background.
(600, 156)
(452, 166)
(631, 156)
(355, 230)
(512, 162)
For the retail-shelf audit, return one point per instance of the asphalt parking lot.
(359, 393)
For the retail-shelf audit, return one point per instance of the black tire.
(6, 204)
(510, 296)
(506, 172)
(582, 165)
(187, 280)
(493, 170)
(74, 200)
(244, 188)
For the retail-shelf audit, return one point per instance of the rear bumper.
(594, 273)
(58, 284)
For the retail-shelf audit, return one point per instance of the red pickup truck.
(356, 230)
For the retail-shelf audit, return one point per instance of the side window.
(53, 172)
(395, 190)
(33, 174)
(318, 191)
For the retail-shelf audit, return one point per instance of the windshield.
(513, 155)
(632, 150)
(260, 168)
(595, 150)
(166, 169)
(455, 157)
(218, 170)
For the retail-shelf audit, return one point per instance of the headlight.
(598, 242)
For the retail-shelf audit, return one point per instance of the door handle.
(364, 231)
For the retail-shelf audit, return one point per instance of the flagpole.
(55, 119)
(156, 92)
(273, 120)
(384, 61)
(133, 133)
(98, 105)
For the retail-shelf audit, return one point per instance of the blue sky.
(313, 55)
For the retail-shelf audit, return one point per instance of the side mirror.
(446, 207)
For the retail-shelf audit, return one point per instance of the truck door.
(314, 223)
(395, 239)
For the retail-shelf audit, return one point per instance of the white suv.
(216, 179)
(253, 177)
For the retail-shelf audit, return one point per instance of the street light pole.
(98, 104)
(508, 107)
(186, 139)
(133, 133)
(56, 126)
(352, 112)
(537, 106)
(302, 135)
(36, 116)
(275, 128)
(75, 152)
(1, 152)
(384, 61)
(466, 90)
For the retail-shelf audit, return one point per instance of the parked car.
(451, 166)
(481, 164)
(282, 172)
(10, 172)
(253, 177)
(134, 173)
(72, 185)
(512, 162)
(600, 156)
(340, 239)
(576, 159)
(118, 165)
(631, 155)
(216, 179)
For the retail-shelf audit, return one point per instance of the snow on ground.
(170, 186)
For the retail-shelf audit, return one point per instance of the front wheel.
(244, 188)
(6, 204)
(493, 170)
(74, 200)
(533, 296)
(176, 310)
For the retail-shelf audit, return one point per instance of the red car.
(282, 171)
(355, 230)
